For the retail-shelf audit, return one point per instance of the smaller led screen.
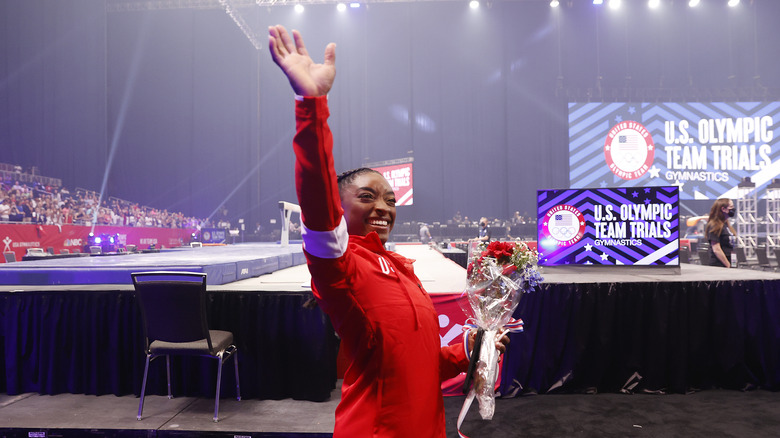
(609, 226)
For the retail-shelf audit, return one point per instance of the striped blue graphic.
(679, 155)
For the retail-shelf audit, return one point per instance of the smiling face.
(369, 205)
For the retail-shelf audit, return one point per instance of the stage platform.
(586, 331)
(223, 264)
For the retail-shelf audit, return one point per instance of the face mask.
(732, 212)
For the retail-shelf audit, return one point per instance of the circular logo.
(629, 150)
(206, 236)
(565, 224)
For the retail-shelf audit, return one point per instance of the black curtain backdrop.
(188, 115)
(91, 342)
(672, 337)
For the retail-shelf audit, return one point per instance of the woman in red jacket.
(387, 323)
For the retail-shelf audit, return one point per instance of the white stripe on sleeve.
(326, 244)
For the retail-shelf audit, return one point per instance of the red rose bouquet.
(498, 274)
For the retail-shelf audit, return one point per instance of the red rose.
(501, 250)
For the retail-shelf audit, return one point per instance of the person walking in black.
(719, 232)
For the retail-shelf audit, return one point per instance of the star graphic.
(631, 110)
(618, 118)
(647, 189)
(604, 256)
(654, 171)
(588, 247)
(650, 147)
(544, 223)
(588, 263)
(603, 184)
(607, 148)
(635, 194)
(679, 184)
(647, 201)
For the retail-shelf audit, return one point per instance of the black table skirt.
(670, 337)
(91, 342)
(606, 337)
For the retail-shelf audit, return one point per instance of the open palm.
(306, 77)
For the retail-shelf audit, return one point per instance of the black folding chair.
(742, 261)
(173, 310)
(763, 258)
(704, 256)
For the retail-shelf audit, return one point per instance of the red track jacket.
(387, 323)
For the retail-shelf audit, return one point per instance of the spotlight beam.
(283, 141)
(120, 119)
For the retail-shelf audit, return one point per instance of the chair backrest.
(95, 250)
(741, 257)
(35, 251)
(704, 256)
(173, 306)
(131, 248)
(65, 251)
(10, 257)
(196, 244)
(685, 255)
(763, 258)
(777, 255)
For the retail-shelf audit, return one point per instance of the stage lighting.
(474, 4)
(614, 4)
(341, 7)
(653, 4)
(299, 8)
(554, 3)
(693, 3)
(598, 2)
(354, 5)
(733, 3)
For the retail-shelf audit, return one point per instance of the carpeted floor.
(712, 413)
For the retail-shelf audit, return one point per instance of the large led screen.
(609, 226)
(706, 149)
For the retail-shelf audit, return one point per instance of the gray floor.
(78, 411)
(709, 414)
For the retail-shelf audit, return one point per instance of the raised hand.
(306, 77)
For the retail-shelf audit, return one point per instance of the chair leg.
(235, 363)
(143, 388)
(168, 372)
(219, 384)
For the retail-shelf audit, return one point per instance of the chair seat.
(220, 340)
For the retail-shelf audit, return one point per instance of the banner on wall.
(400, 178)
(705, 149)
(17, 238)
(610, 226)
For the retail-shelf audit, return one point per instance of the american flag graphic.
(628, 142)
(563, 219)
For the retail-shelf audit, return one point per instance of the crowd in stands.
(51, 205)
(26, 197)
